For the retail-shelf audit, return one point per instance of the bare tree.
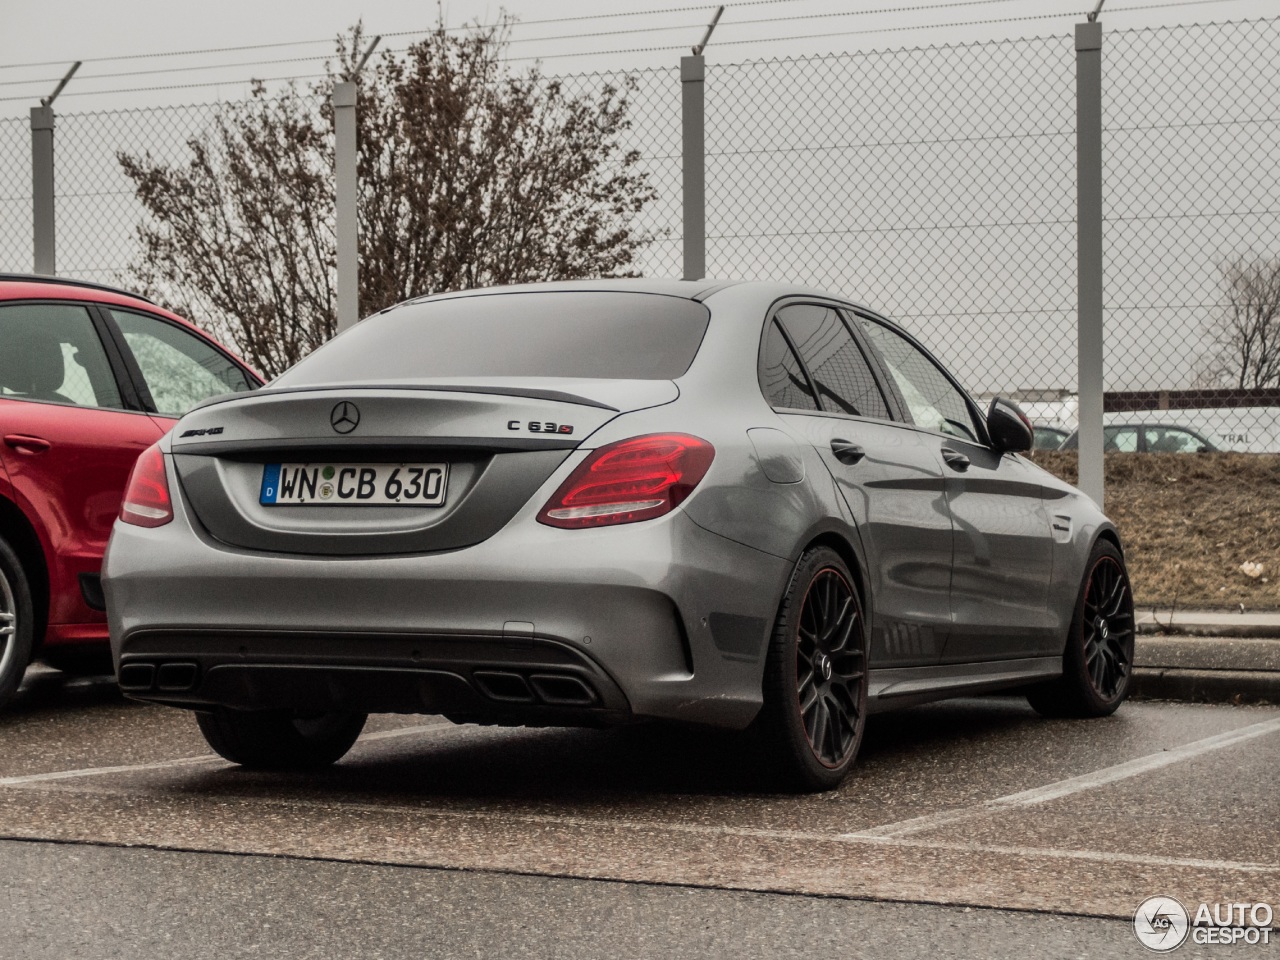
(470, 175)
(1246, 333)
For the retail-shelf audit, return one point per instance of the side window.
(180, 369)
(841, 374)
(781, 377)
(933, 400)
(1120, 439)
(52, 352)
(1172, 440)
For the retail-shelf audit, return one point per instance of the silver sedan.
(744, 505)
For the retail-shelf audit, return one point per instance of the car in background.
(1146, 438)
(90, 376)
(744, 505)
(1048, 437)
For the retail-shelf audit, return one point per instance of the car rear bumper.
(535, 625)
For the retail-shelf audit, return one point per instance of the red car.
(90, 377)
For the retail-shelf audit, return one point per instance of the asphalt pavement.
(970, 828)
(65, 902)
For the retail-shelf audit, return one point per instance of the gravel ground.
(1189, 521)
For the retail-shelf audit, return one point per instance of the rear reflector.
(630, 480)
(146, 498)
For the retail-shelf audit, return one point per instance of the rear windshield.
(602, 336)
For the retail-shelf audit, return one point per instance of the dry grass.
(1188, 521)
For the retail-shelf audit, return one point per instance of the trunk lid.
(498, 440)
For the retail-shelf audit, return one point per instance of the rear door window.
(1120, 439)
(588, 334)
(1173, 440)
(840, 372)
(179, 368)
(782, 379)
(52, 353)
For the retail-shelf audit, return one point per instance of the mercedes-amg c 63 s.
(744, 505)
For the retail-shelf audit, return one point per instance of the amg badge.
(540, 426)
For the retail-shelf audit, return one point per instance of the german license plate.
(347, 484)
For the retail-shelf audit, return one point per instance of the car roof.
(6, 279)
(698, 290)
(24, 286)
(688, 289)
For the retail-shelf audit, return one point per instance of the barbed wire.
(727, 23)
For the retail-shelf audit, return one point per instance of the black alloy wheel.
(830, 667)
(815, 680)
(1108, 627)
(16, 623)
(1097, 663)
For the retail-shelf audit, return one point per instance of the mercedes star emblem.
(345, 417)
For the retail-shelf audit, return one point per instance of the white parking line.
(896, 835)
(189, 761)
(102, 771)
(1064, 788)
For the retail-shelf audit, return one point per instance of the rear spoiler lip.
(316, 448)
(529, 392)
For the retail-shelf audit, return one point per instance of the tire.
(17, 623)
(1097, 664)
(263, 740)
(815, 679)
(79, 661)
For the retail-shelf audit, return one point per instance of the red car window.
(52, 353)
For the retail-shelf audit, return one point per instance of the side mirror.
(1009, 427)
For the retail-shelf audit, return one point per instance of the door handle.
(24, 444)
(847, 452)
(955, 460)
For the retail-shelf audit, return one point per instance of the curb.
(1206, 686)
(1258, 631)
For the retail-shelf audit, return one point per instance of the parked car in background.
(743, 505)
(1048, 437)
(1147, 438)
(90, 377)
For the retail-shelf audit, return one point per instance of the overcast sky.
(121, 37)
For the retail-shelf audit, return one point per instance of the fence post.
(1089, 253)
(43, 249)
(345, 188)
(693, 72)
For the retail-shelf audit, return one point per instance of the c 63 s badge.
(540, 426)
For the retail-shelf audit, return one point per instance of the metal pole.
(1089, 253)
(42, 190)
(44, 248)
(345, 187)
(693, 91)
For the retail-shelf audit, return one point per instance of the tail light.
(631, 480)
(146, 499)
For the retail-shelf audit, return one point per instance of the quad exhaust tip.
(557, 690)
(176, 677)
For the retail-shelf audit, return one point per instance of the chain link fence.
(1191, 166)
(935, 184)
(15, 195)
(97, 211)
(654, 134)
